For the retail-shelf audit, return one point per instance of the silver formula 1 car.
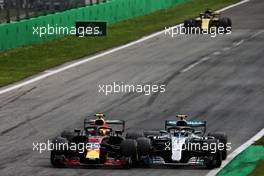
(182, 143)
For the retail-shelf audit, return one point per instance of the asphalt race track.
(216, 79)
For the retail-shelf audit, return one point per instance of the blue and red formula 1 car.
(98, 144)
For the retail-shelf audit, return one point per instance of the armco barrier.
(20, 33)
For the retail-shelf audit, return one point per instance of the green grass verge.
(17, 64)
(249, 162)
(245, 163)
(259, 170)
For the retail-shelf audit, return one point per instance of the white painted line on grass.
(237, 151)
(45, 75)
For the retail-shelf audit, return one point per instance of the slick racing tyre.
(69, 135)
(216, 161)
(57, 155)
(225, 23)
(56, 159)
(189, 25)
(128, 148)
(128, 164)
(215, 156)
(143, 146)
(134, 135)
(222, 137)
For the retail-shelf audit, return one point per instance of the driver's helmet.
(100, 122)
(182, 121)
(208, 13)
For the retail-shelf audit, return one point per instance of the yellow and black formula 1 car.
(209, 21)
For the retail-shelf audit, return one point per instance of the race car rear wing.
(190, 123)
(89, 122)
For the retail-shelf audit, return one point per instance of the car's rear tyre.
(222, 137)
(54, 161)
(69, 135)
(189, 25)
(128, 164)
(57, 155)
(225, 22)
(128, 148)
(215, 155)
(134, 135)
(216, 161)
(143, 146)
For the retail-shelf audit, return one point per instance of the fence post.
(52, 7)
(91, 2)
(7, 7)
(35, 6)
(18, 4)
(26, 9)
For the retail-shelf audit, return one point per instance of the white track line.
(237, 151)
(233, 5)
(47, 74)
